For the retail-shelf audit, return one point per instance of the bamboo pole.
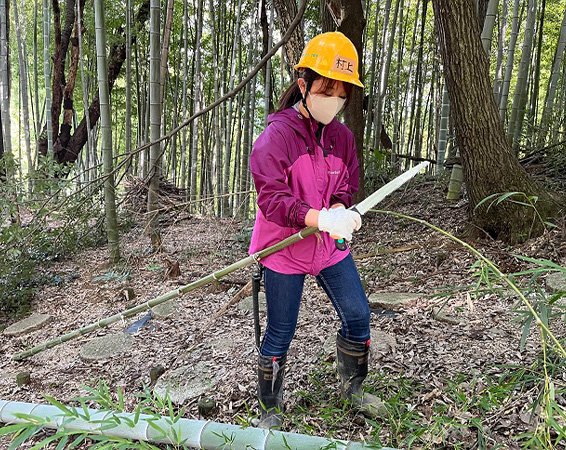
(215, 276)
(189, 433)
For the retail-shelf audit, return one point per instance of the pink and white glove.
(339, 222)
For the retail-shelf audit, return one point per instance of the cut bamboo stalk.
(163, 430)
(215, 276)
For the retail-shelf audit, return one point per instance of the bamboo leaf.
(11, 429)
(554, 298)
(30, 418)
(86, 415)
(78, 440)
(542, 262)
(153, 425)
(525, 333)
(63, 442)
(517, 202)
(43, 443)
(485, 200)
(61, 406)
(505, 196)
(121, 402)
(24, 436)
(550, 224)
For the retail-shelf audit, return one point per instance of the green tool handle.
(341, 244)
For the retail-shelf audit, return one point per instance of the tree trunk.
(62, 39)
(353, 27)
(216, 163)
(371, 94)
(397, 103)
(184, 102)
(268, 86)
(502, 32)
(165, 48)
(37, 124)
(106, 130)
(5, 79)
(549, 106)
(326, 19)
(155, 125)
(69, 153)
(521, 88)
(533, 108)
(286, 11)
(503, 99)
(418, 91)
(384, 72)
(479, 132)
(24, 93)
(443, 131)
(197, 87)
(2, 161)
(128, 82)
(488, 25)
(88, 163)
(228, 137)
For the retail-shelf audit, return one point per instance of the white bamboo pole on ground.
(189, 433)
(106, 131)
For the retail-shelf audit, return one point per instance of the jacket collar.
(306, 127)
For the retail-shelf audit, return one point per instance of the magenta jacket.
(292, 174)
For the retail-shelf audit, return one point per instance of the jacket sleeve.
(269, 162)
(349, 184)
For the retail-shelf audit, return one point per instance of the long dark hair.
(293, 94)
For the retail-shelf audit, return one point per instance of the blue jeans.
(342, 284)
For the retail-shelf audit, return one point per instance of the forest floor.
(446, 385)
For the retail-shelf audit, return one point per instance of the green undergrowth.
(38, 228)
(479, 411)
(33, 430)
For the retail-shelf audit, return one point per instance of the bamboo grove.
(140, 68)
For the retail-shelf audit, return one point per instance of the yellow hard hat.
(332, 55)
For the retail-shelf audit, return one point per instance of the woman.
(305, 171)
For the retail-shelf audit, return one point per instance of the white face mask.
(323, 108)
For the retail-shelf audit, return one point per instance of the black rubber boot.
(270, 373)
(352, 365)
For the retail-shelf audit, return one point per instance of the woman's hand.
(339, 222)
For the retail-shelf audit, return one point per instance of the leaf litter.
(451, 339)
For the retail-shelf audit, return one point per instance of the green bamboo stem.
(215, 276)
(188, 433)
(492, 266)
